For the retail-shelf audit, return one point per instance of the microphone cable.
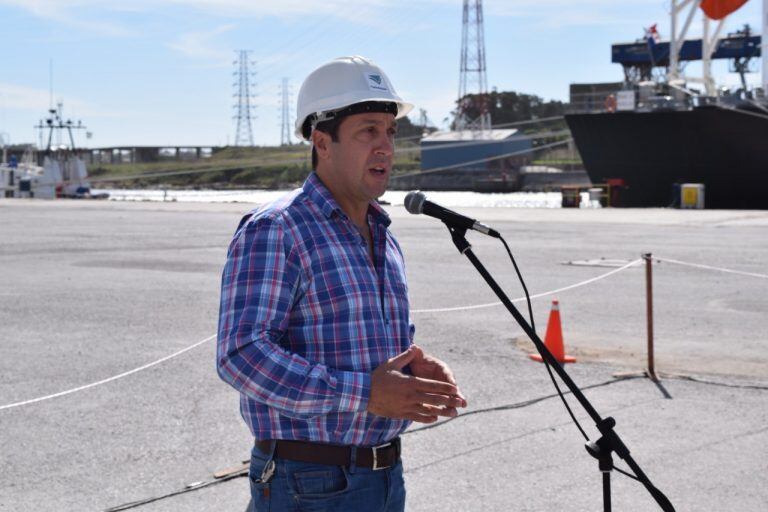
(549, 369)
(533, 327)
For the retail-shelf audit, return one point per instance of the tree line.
(504, 107)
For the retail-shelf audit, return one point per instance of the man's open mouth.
(378, 169)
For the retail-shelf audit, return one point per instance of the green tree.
(510, 106)
(408, 129)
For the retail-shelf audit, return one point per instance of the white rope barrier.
(708, 267)
(415, 311)
(538, 295)
(110, 379)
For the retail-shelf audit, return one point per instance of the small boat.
(63, 173)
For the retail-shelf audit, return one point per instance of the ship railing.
(590, 102)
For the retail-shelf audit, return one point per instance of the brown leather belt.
(375, 457)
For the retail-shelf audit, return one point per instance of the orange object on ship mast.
(719, 9)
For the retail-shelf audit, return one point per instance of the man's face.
(360, 163)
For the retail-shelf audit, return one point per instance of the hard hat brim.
(403, 108)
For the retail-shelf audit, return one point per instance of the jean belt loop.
(272, 446)
(352, 459)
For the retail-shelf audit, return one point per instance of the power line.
(480, 142)
(261, 163)
(502, 125)
(483, 160)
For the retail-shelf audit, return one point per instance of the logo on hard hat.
(376, 82)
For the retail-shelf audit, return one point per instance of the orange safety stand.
(554, 337)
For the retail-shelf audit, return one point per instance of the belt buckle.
(375, 456)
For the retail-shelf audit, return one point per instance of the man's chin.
(377, 190)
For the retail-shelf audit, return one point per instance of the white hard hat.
(339, 84)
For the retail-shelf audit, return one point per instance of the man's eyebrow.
(378, 122)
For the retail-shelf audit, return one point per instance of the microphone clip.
(459, 237)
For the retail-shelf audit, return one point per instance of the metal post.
(649, 311)
(672, 71)
(706, 57)
(764, 42)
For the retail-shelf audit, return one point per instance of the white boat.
(62, 175)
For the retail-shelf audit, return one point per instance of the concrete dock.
(91, 290)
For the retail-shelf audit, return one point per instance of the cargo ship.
(654, 131)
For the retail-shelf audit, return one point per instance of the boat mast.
(55, 123)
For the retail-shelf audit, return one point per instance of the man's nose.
(386, 146)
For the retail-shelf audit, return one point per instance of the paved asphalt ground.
(93, 289)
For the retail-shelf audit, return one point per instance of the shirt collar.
(319, 194)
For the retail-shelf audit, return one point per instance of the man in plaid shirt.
(314, 328)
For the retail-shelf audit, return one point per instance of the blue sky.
(160, 72)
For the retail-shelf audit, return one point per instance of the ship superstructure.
(660, 128)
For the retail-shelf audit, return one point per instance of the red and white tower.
(472, 77)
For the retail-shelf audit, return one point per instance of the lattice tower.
(285, 113)
(244, 98)
(472, 73)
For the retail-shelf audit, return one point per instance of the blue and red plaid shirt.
(306, 316)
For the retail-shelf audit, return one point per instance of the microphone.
(416, 203)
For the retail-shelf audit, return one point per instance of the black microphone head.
(414, 201)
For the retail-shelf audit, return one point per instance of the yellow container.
(692, 196)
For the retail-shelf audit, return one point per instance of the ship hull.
(725, 149)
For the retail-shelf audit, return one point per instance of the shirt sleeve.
(262, 279)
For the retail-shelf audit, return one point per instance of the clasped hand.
(429, 392)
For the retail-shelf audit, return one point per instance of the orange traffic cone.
(554, 337)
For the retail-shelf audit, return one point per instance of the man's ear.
(322, 142)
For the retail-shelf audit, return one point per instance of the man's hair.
(331, 127)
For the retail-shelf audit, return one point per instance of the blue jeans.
(307, 487)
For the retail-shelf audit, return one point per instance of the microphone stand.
(610, 441)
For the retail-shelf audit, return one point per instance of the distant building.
(491, 150)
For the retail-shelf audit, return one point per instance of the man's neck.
(356, 210)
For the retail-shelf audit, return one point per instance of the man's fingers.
(402, 360)
(431, 410)
(435, 386)
(441, 400)
(420, 418)
(422, 399)
(417, 352)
